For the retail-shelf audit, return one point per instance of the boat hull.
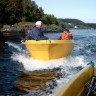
(76, 85)
(49, 49)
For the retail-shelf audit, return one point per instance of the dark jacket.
(36, 34)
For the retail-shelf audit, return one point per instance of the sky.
(84, 10)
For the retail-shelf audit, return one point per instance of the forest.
(15, 11)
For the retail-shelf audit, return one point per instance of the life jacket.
(66, 35)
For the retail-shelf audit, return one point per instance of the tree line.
(13, 11)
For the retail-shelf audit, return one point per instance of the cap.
(38, 23)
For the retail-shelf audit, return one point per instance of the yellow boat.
(49, 49)
(76, 85)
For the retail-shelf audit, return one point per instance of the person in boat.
(36, 33)
(66, 35)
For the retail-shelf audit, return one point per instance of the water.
(22, 75)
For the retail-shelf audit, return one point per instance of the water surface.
(22, 75)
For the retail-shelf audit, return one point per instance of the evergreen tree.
(11, 11)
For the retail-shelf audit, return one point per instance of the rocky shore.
(19, 30)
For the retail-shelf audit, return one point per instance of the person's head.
(66, 29)
(39, 24)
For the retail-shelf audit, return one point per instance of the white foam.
(14, 45)
(31, 64)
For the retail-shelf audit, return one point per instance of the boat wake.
(22, 56)
(31, 64)
(67, 68)
(61, 69)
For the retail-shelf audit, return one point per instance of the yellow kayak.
(76, 85)
(49, 49)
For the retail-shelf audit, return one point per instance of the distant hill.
(92, 25)
(79, 23)
(74, 21)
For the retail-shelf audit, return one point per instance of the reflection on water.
(39, 79)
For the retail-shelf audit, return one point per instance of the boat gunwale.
(49, 41)
(64, 89)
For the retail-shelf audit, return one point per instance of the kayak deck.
(75, 86)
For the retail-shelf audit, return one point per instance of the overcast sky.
(84, 10)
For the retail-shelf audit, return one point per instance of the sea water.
(22, 75)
